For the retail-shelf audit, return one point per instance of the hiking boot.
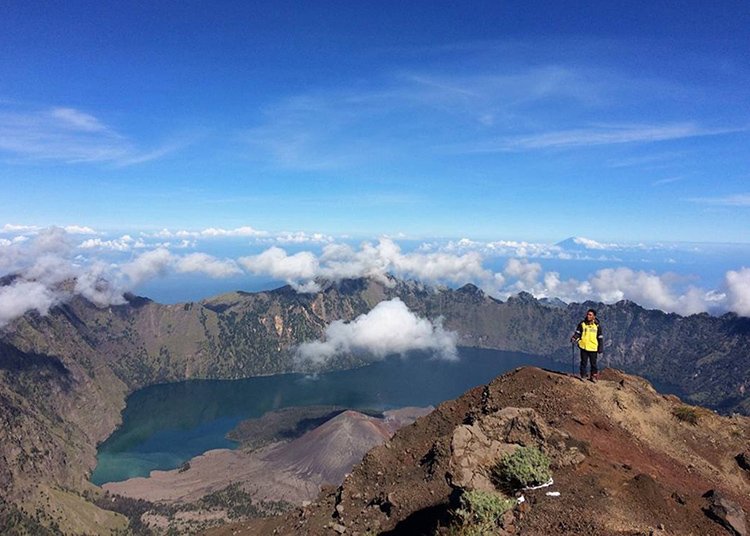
(593, 378)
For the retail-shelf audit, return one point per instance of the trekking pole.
(572, 358)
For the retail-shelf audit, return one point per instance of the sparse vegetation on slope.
(527, 466)
(687, 414)
(480, 513)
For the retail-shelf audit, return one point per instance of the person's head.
(590, 315)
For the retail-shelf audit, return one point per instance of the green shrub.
(527, 466)
(687, 414)
(480, 512)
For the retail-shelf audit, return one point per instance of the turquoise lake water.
(166, 425)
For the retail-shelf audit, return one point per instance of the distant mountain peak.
(471, 288)
(523, 297)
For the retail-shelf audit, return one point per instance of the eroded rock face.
(726, 512)
(743, 460)
(476, 447)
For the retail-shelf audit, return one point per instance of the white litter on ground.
(520, 499)
(553, 493)
(549, 483)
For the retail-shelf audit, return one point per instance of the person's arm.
(577, 334)
(599, 340)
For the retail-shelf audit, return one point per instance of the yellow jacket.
(590, 337)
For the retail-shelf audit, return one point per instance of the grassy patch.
(687, 414)
(479, 513)
(527, 466)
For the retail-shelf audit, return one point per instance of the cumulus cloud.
(738, 290)
(240, 231)
(206, 264)
(260, 236)
(99, 285)
(49, 257)
(147, 266)
(210, 232)
(590, 244)
(24, 230)
(124, 243)
(80, 229)
(499, 248)
(47, 270)
(610, 285)
(298, 270)
(664, 291)
(390, 328)
(576, 248)
(377, 261)
(301, 237)
(22, 296)
(526, 272)
(12, 228)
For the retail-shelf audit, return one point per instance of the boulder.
(726, 512)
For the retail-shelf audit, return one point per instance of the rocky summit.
(623, 460)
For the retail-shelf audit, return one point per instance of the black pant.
(586, 355)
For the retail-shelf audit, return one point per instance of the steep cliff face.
(64, 377)
(622, 462)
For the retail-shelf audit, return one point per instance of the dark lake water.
(166, 425)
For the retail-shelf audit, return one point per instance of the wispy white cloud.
(668, 180)
(408, 112)
(77, 120)
(71, 136)
(593, 136)
(646, 159)
(389, 328)
(735, 200)
(470, 111)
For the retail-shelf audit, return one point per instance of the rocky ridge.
(623, 463)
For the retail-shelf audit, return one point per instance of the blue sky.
(228, 129)
(529, 120)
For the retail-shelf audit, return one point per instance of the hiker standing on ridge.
(590, 340)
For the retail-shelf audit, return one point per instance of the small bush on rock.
(480, 513)
(527, 466)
